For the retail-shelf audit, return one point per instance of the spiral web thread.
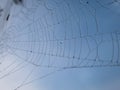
(58, 35)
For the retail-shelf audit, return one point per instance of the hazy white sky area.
(60, 45)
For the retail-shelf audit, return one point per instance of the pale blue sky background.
(58, 44)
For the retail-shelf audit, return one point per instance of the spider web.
(60, 34)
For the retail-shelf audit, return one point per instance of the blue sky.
(58, 44)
